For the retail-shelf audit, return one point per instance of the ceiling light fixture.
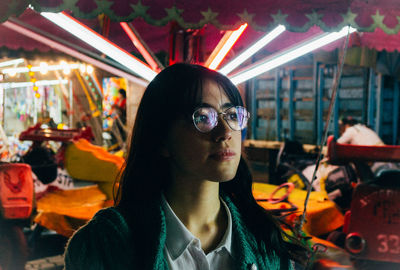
(290, 54)
(252, 49)
(224, 46)
(97, 41)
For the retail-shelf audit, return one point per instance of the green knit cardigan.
(103, 243)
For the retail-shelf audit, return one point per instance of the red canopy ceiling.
(262, 15)
(157, 36)
(150, 18)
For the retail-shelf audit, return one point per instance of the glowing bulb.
(37, 95)
(35, 88)
(66, 67)
(31, 73)
(43, 67)
(89, 69)
(66, 71)
(82, 68)
(12, 73)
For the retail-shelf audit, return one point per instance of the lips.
(223, 155)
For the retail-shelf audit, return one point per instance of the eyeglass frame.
(223, 113)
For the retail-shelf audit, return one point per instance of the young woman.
(185, 199)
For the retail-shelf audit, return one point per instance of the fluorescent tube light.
(19, 27)
(39, 68)
(28, 84)
(12, 62)
(141, 46)
(278, 59)
(100, 43)
(234, 36)
(253, 49)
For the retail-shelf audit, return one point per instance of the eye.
(202, 118)
(233, 116)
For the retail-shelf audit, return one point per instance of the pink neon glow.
(146, 55)
(227, 47)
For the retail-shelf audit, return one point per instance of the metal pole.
(371, 99)
(291, 106)
(396, 97)
(320, 104)
(315, 97)
(379, 105)
(336, 108)
(253, 108)
(71, 104)
(278, 120)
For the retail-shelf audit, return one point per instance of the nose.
(222, 132)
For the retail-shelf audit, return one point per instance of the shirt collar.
(179, 237)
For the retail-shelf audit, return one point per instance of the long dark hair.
(173, 93)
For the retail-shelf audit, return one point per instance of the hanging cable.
(301, 221)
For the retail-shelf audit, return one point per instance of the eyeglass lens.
(206, 118)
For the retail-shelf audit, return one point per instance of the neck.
(195, 204)
(198, 207)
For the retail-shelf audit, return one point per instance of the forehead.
(213, 93)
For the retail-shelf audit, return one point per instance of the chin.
(222, 177)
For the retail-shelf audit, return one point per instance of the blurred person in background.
(353, 132)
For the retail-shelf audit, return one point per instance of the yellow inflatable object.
(322, 214)
(64, 211)
(85, 161)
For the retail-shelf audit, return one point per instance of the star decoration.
(140, 9)
(209, 15)
(349, 18)
(246, 17)
(279, 18)
(103, 5)
(174, 12)
(314, 17)
(378, 18)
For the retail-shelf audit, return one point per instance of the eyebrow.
(224, 106)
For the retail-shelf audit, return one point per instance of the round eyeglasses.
(206, 118)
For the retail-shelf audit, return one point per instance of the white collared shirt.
(183, 250)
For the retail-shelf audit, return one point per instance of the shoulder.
(99, 244)
(108, 219)
(251, 249)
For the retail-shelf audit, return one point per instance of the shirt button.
(253, 267)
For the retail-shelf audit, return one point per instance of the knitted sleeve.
(101, 244)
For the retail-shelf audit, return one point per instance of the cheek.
(186, 145)
(237, 141)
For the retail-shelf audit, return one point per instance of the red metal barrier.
(349, 152)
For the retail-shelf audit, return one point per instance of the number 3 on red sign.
(389, 243)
